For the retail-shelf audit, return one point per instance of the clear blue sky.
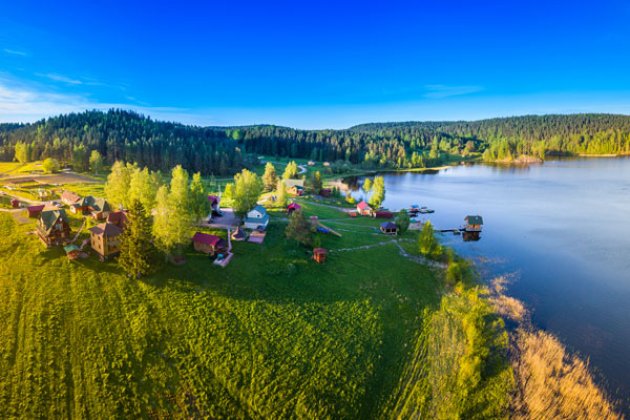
(314, 64)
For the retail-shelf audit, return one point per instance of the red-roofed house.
(364, 208)
(208, 244)
(118, 218)
(35, 211)
(70, 198)
(293, 207)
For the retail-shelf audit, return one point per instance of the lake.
(561, 230)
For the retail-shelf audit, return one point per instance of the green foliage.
(459, 367)
(367, 185)
(135, 242)
(291, 171)
(161, 230)
(96, 162)
(281, 195)
(118, 183)
(402, 221)
(428, 245)
(228, 191)
(50, 165)
(378, 192)
(79, 158)
(247, 190)
(199, 204)
(23, 152)
(270, 178)
(299, 229)
(143, 186)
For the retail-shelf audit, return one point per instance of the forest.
(131, 137)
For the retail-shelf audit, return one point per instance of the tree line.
(131, 137)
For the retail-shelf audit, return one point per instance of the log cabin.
(53, 228)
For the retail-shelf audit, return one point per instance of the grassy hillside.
(272, 335)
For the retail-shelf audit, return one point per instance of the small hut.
(208, 244)
(35, 211)
(389, 228)
(319, 255)
(72, 251)
(15, 203)
(293, 207)
(473, 223)
(383, 214)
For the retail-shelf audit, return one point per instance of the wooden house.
(364, 208)
(294, 186)
(208, 244)
(389, 228)
(118, 218)
(319, 255)
(383, 214)
(53, 228)
(69, 198)
(35, 211)
(99, 208)
(473, 223)
(105, 239)
(257, 218)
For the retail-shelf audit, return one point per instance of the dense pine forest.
(128, 136)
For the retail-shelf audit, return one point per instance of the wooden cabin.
(69, 198)
(105, 239)
(53, 228)
(35, 211)
(294, 186)
(364, 208)
(473, 223)
(257, 218)
(99, 208)
(319, 255)
(389, 228)
(208, 244)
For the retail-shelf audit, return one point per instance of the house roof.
(388, 226)
(71, 248)
(117, 217)
(206, 238)
(260, 209)
(257, 220)
(70, 197)
(474, 220)
(293, 183)
(36, 208)
(294, 206)
(106, 229)
(213, 199)
(238, 233)
(99, 204)
(363, 206)
(50, 217)
(317, 251)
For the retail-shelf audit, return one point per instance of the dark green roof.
(49, 218)
(474, 220)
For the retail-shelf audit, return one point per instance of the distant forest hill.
(128, 136)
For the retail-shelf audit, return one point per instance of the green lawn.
(272, 335)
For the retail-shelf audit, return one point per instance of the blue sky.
(307, 64)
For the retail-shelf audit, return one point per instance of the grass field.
(272, 335)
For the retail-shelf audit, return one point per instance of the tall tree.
(299, 229)
(117, 185)
(96, 162)
(161, 222)
(378, 192)
(291, 171)
(50, 165)
(180, 217)
(135, 242)
(143, 187)
(402, 221)
(367, 185)
(428, 245)
(247, 190)
(79, 158)
(281, 196)
(198, 198)
(270, 178)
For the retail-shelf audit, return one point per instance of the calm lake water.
(562, 230)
